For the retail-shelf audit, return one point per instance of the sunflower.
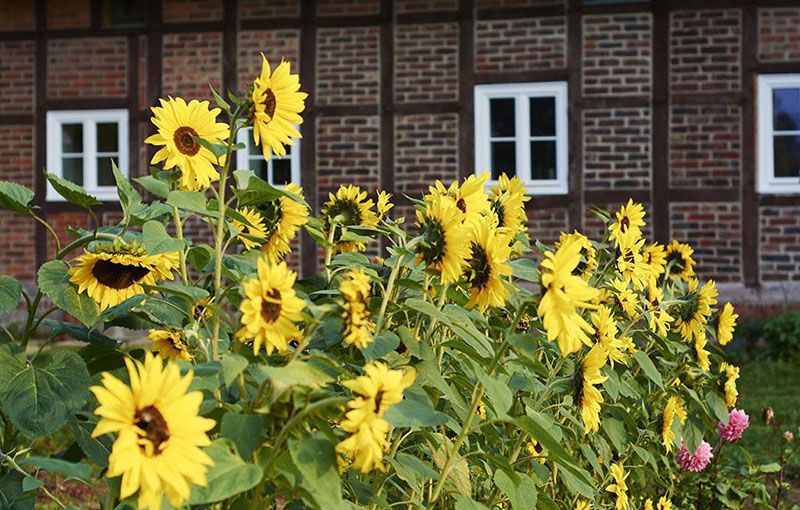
(282, 218)
(701, 354)
(256, 228)
(271, 308)
(358, 328)
(379, 388)
(159, 432)
(444, 247)
(178, 125)
(606, 333)
(648, 504)
(619, 487)
(349, 207)
(630, 220)
(731, 374)
(664, 504)
(480, 410)
(625, 297)
(383, 205)
(655, 256)
(694, 312)
(673, 408)
(277, 103)
(588, 263)
(680, 261)
(508, 204)
(587, 396)
(583, 505)
(470, 197)
(169, 344)
(658, 319)
(726, 323)
(115, 272)
(536, 451)
(363, 448)
(563, 294)
(630, 263)
(487, 265)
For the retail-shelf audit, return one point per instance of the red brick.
(59, 221)
(181, 11)
(347, 65)
(714, 230)
(779, 258)
(254, 9)
(190, 63)
(617, 55)
(87, 67)
(17, 231)
(16, 76)
(545, 225)
(350, 8)
(521, 44)
(426, 149)
(276, 45)
(17, 15)
(67, 13)
(778, 39)
(426, 62)
(616, 148)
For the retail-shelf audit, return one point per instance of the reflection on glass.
(105, 176)
(259, 166)
(281, 171)
(107, 137)
(786, 109)
(786, 151)
(502, 121)
(252, 148)
(543, 116)
(543, 160)
(72, 169)
(504, 159)
(72, 138)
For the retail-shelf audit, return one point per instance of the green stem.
(329, 252)
(28, 331)
(388, 294)
(179, 234)
(52, 232)
(83, 241)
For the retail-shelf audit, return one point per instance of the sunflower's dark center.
(462, 205)
(678, 264)
(689, 310)
(479, 264)
(537, 448)
(154, 426)
(272, 214)
(271, 306)
(624, 223)
(378, 400)
(178, 343)
(583, 264)
(577, 382)
(500, 211)
(433, 245)
(118, 276)
(184, 141)
(524, 323)
(270, 104)
(629, 256)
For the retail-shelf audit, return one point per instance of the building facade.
(690, 107)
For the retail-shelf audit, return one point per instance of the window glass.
(502, 117)
(786, 151)
(543, 160)
(105, 176)
(504, 157)
(72, 169)
(107, 137)
(543, 116)
(72, 138)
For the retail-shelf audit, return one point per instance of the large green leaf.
(53, 280)
(522, 492)
(467, 503)
(157, 240)
(253, 190)
(296, 373)
(71, 192)
(78, 332)
(415, 411)
(315, 458)
(381, 345)
(229, 475)
(129, 198)
(96, 449)
(15, 197)
(153, 185)
(413, 470)
(193, 201)
(12, 495)
(10, 293)
(39, 399)
(244, 430)
(68, 469)
(455, 318)
(649, 368)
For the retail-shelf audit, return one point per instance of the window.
(81, 145)
(278, 170)
(779, 133)
(521, 129)
(123, 12)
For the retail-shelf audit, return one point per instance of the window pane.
(504, 159)
(787, 156)
(501, 112)
(72, 138)
(543, 160)
(786, 109)
(259, 166)
(252, 148)
(281, 171)
(105, 177)
(72, 170)
(107, 138)
(543, 116)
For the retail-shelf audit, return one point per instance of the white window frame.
(243, 158)
(521, 92)
(89, 119)
(767, 182)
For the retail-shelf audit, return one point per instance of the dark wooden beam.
(229, 47)
(521, 76)
(547, 202)
(79, 103)
(607, 102)
(416, 18)
(348, 21)
(96, 14)
(534, 11)
(617, 8)
(133, 105)
(270, 23)
(777, 68)
(40, 131)
(749, 196)
(153, 26)
(427, 108)
(308, 173)
(704, 195)
(344, 110)
(197, 26)
(387, 181)
(575, 112)
(466, 88)
(779, 200)
(660, 123)
(16, 118)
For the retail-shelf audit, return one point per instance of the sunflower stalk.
(179, 234)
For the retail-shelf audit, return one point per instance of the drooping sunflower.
(587, 396)
(625, 297)
(726, 323)
(564, 293)
(655, 256)
(620, 486)
(673, 408)
(693, 315)
(115, 272)
(680, 261)
(629, 222)
(588, 263)
(701, 354)
(358, 328)
(583, 504)
(470, 197)
(277, 103)
(349, 207)
(731, 374)
(271, 308)
(383, 205)
(380, 387)
(282, 218)
(178, 125)
(486, 265)
(363, 448)
(444, 247)
(606, 333)
(159, 432)
(169, 344)
(508, 203)
(480, 410)
(630, 263)
(658, 320)
(256, 228)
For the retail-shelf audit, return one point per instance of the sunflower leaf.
(71, 192)
(10, 293)
(53, 280)
(649, 368)
(129, 198)
(155, 186)
(157, 240)
(190, 201)
(15, 197)
(229, 475)
(218, 149)
(315, 458)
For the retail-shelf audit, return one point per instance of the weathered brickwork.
(275, 44)
(425, 5)
(778, 38)
(182, 11)
(348, 152)
(426, 149)
(617, 54)
(521, 44)
(17, 15)
(253, 9)
(59, 221)
(67, 13)
(16, 164)
(616, 148)
(705, 50)
(350, 8)
(714, 231)
(545, 225)
(16, 76)
(488, 4)
(426, 62)
(594, 228)
(347, 65)
(780, 243)
(705, 146)
(191, 62)
(87, 67)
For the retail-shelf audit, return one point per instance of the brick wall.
(705, 146)
(253, 9)
(59, 221)
(348, 152)
(16, 76)
(780, 244)
(176, 11)
(616, 54)
(545, 225)
(521, 44)
(275, 44)
(426, 62)
(16, 231)
(349, 8)
(190, 63)
(87, 67)
(616, 148)
(426, 149)
(778, 38)
(425, 5)
(67, 13)
(714, 231)
(347, 65)
(17, 15)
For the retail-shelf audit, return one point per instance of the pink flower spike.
(738, 421)
(695, 462)
(788, 436)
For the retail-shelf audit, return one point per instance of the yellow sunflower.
(508, 204)
(256, 228)
(629, 222)
(694, 312)
(159, 432)
(282, 218)
(277, 103)
(619, 487)
(731, 374)
(680, 261)
(588, 263)
(115, 272)
(364, 447)
(563, 294)
(169, 344)
(726, 323)
(444, 245)
(178, 125)
(606, 333)
(664, 504)
(625, 297)
(673, 408)
(655, 256)
(480, 410)
(630, 263)
(587, 396)
(583, 505)
(358, 328)
(535, 450)
(487, 266)
(349, 207)
(380, 387)
(701, 354)
(470, 197)
(383, 205)
(658, 320)
(271, 308)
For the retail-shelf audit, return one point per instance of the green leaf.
(218, 149)
(525, 269)
(153, 185)
(38, 400)
(296, 373)
(78, 332)
(381, 345)
(10, 293)
(157, 240)
(413, 470)
(649, 368)
(522, 493)
(129, 198)
(199, 257)
(187, 292)
(415, 411)
(615, 431)
(718, 406)
(96, 449)
(315, 458)
(692, 433)
(773, 467)
(244, 430)
(467, 503)
(73, 193)
(15, 197)
(53, 280)
(232, 366)
(229, 475)
(12, 496)
(500, 395)
(31, 484)
(194, 201)
(68, 469)
(455, 318)
(252, 190)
